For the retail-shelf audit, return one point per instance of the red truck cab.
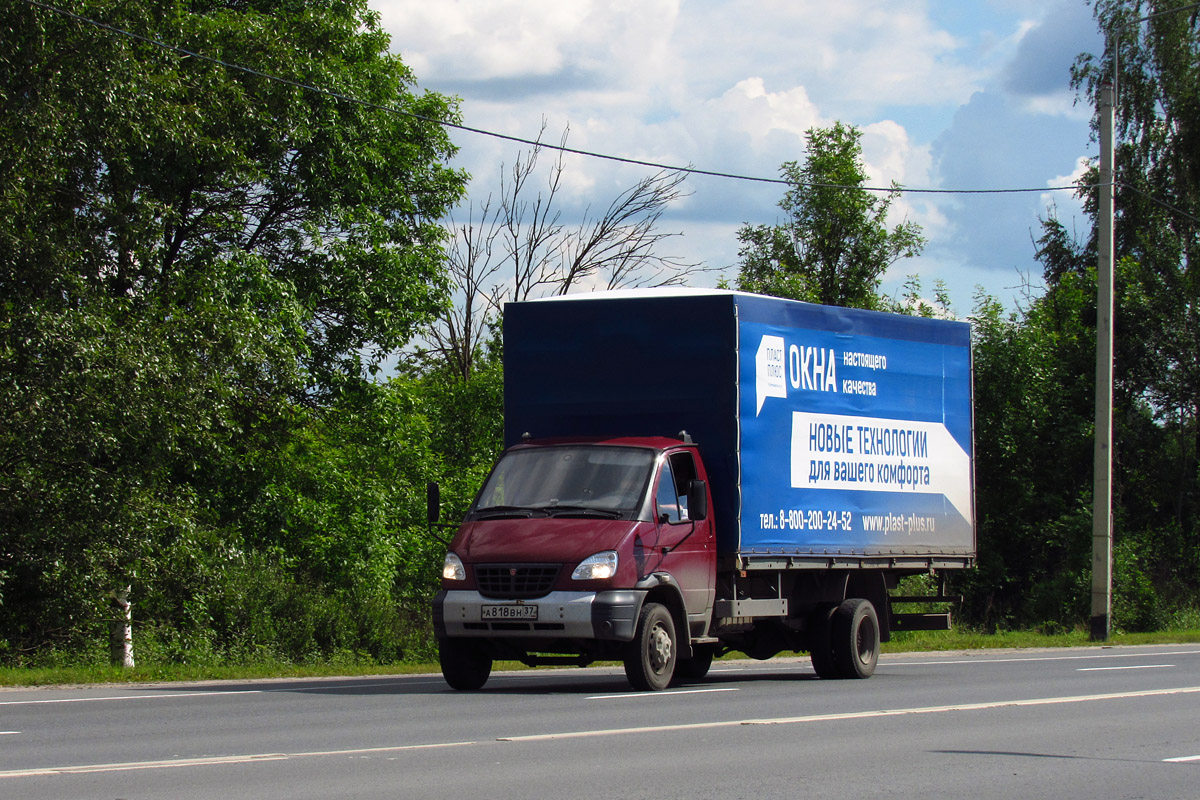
(578, 550)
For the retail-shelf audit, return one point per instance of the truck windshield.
(600, 478)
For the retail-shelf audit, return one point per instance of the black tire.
(820, 642)
(855, 629)
(650, 658)
(696, 667)
(466, 664)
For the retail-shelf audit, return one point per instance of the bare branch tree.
(519, 248)
(618, 250)
(473, 265)
(532, 229)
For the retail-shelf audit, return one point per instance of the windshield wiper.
(492, 512)
(606, 513)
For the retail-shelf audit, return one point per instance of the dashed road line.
(253, 758)
(1134, 666)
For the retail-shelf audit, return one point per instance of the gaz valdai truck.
(694, 472)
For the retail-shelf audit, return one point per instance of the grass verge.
(918, 641)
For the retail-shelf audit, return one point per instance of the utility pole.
(1102, 535)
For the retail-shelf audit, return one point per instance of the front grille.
(516, 580)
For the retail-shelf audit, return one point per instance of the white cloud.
(850, 55)
(750, 109)
(482, 41)
(1067, 206)
(947, 94)
(891, 156)
(464, 40)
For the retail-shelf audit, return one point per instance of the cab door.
(687, 546)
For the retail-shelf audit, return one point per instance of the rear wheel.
(466, 663)
(650, 659)
(696, 667)
(855, 628)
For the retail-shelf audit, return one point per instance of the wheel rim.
(660, 648)
(865, 640)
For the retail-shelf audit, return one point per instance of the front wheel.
(650, 659)
(466, 663)
(855, 628)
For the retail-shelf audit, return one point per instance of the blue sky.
(961, 94)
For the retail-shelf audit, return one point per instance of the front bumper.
(610, 616)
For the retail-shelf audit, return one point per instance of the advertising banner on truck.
(855, 431)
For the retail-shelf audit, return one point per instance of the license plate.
(510, 612)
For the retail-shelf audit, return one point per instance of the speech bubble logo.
(769, 374)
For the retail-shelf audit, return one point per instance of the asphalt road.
(1088, 723)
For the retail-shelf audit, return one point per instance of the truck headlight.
(452, 568)
(600, 566)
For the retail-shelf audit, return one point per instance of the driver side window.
(667, 500)
(676, 476)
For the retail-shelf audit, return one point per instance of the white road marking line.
(83, 769)
(158, 696)
(124, 697)
(8, 733)
(251, 758)
(1181, 759)
(895, 712)
(652, 695)
(1137, 666)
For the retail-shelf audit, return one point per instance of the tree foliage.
(1157, 239)
(1157, 63)
(198, 266)
(146, 165)
(835, 244)
(1033, 411)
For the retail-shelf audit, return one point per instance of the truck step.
(937, 598)
(556, 661)
(921, 622)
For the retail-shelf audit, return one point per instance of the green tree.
(1157, 219)
(1156, 63)
(835, 244)
(1033, 415)
(198, 265)
(140, 164)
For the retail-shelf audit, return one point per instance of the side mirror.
(697, 500)
(433, 502)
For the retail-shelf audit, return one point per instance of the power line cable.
(1157, 202)
(689, 170)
